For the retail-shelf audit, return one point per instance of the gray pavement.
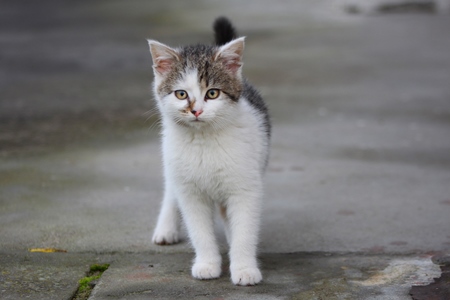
(357, 199)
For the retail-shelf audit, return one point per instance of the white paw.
(206, 270)
(165, 237)
(246, 276)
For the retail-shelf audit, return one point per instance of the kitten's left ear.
(231, 54)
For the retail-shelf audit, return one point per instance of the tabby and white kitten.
(215, 145)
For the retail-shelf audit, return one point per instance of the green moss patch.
(85, 284)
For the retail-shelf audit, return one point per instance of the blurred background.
(359, 93)
(77, 70)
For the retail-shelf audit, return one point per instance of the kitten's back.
(256, 101)
(224, 32)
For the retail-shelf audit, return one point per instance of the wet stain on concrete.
(402, 273)
(333, 289)
(276, 169)
(34, 178)
(438, 158)
(40, 135)
(375, 249)
(445, 202)
(140, 276)
(398, 243)
(346, 212)
(414, 7)
(438, 290)
(407, 7)
(23, 175)
(297, 169)
(279, 169)
(391, 274)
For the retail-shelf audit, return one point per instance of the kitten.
(215, 145)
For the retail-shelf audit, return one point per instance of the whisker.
(150, 113)
(156, 123)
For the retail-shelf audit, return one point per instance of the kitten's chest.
(204, 155)
(210, 162)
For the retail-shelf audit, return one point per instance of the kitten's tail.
(224, 31)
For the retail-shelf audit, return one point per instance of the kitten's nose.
(196, 113)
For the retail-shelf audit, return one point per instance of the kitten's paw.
(165, 237)
(246, 276)
(206, 270)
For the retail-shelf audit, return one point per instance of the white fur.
(216, 162)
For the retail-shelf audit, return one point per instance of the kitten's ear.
(163, 57)
(231, 54)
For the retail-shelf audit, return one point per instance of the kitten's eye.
(181, 94)
(212, 94)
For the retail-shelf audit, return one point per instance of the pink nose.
(196, 113)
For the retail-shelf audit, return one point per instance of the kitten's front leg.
(166, 231)
(243, 212)
(198, 215)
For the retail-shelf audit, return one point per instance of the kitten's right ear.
(230, 55)
(163, 57)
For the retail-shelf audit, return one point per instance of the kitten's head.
(198, 86)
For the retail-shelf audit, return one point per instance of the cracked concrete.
(287, 276)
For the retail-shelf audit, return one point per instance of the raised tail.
(224, 31)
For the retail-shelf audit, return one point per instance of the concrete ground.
(357, 199)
